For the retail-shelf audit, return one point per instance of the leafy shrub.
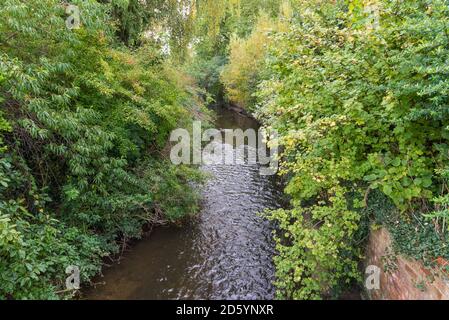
(360, 103)
(84, 121)
(240, 76)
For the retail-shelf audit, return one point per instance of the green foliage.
(217, 22)
(135, 18)
(168, 185)
(206, 71)
(413, 236)
(84, 121)
(359, 97)
(240, 76)
(439, 216)
(357, 91)
(35, 248)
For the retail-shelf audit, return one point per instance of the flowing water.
(224, 253)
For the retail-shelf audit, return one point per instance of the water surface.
(224, 253)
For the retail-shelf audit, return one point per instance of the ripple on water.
(225, 253)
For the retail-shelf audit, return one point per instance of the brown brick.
(401, 284)
(427, 272)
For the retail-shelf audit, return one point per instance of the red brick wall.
(402, 278)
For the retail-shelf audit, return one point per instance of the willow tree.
(135, 18)
(216, 21)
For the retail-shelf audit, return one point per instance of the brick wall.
(402, 278)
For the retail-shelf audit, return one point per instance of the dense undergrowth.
(358, 92)
(356, 89)
(84, 121)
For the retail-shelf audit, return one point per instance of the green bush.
(360, 103)
(84, 122)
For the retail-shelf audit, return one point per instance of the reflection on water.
(224, 253)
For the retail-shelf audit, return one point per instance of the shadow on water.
(224, 253)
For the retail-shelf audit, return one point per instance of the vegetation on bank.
(85, 116)
(356, 89)
(84, 124)
(358, 92)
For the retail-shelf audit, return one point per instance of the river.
(226, 252)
